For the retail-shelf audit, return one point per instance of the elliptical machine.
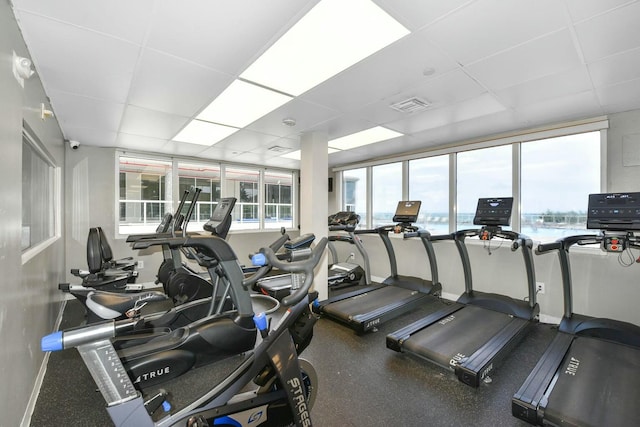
(344, 274)
(181, 284)
(284, 385)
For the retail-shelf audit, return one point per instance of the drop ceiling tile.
(575, 80)
(489, 26)
(80, 111)
(584, 9)
(183, 148)
(89, 136)
(547, 55)
(417, 14)
(610, 33)
(245, 140)
(221, 154)
(616, 68)
(283, 163)
(391, 71)
(140, 143)
(226, 36)
(447, 89)
(572, 107)
(120, 18)
(172, 85)
(155, 124)
(479, 106)
(306, 115)
(74, 60)
(627, 93)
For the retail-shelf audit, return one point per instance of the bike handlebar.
(262, 271)
(306, 266)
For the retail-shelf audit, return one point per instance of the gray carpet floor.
(361, 383)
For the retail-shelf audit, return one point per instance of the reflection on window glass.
(481, 173)
(144, 194)
(386, 192)
(354, 193)
(558, 174)
(207, 179)
(243, 185)
(38, 196)
(277, 200)
(429, 183)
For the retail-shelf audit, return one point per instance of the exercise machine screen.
(614, 211)
(407, 212)
(494, 212)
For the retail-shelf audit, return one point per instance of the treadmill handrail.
(425, 237)
(519, 241)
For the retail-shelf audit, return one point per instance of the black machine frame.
(588, 373)
(366, 308)
(427, 337)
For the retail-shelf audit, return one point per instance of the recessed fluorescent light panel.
(296, 155)
(331, 37)
(241, 104)
(203, 133)
(365, 137)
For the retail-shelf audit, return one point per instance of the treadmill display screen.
(407, 211)
(614, 211)
(494, 211)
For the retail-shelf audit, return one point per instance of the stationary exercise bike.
(284, 386)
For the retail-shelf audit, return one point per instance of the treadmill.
(367, 308)
(472, 335)
(590, 373)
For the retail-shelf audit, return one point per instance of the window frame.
(30, 138)
(599, 124)
(224, 192)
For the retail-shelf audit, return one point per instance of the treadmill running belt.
(367, 302)
(598, 384)
(454, 338)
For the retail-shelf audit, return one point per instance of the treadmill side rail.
(525, 402)
(478, 366)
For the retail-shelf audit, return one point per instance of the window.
(243, 184)
(386, 181)
(558, 174)
(148, 187)
(145, 194)
(354, 193)
(553, 177)
(40, 193)
(207, 179)
(481, 173)
(278, 207)
(429, 183)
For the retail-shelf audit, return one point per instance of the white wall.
(30, 300)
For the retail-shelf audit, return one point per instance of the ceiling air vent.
(279, 149)
(411, 105)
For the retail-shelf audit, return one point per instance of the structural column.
(314, 197)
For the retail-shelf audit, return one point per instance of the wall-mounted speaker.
(330, 186)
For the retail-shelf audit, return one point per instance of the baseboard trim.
(26, 418)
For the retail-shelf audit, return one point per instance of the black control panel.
(407, 211)
(614, 211)
(496, 211)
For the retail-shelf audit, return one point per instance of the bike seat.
(111, 305)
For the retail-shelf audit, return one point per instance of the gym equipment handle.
(75, 337)
(305, 267)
